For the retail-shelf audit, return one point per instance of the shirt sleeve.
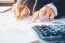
(60, 5)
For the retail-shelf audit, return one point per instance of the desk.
(15, 31)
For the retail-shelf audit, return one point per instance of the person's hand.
(44, 14)
(20, 11)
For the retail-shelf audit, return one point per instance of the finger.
(52, 16)
(46, 16)
(35, 16)
(48, 12)
(41, 14)
(42, 11)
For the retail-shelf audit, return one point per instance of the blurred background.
(7, 2)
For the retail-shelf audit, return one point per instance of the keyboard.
(50, 32)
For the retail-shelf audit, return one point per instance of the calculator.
(51, 32)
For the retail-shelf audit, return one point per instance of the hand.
(44, 14)
(20, 11)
